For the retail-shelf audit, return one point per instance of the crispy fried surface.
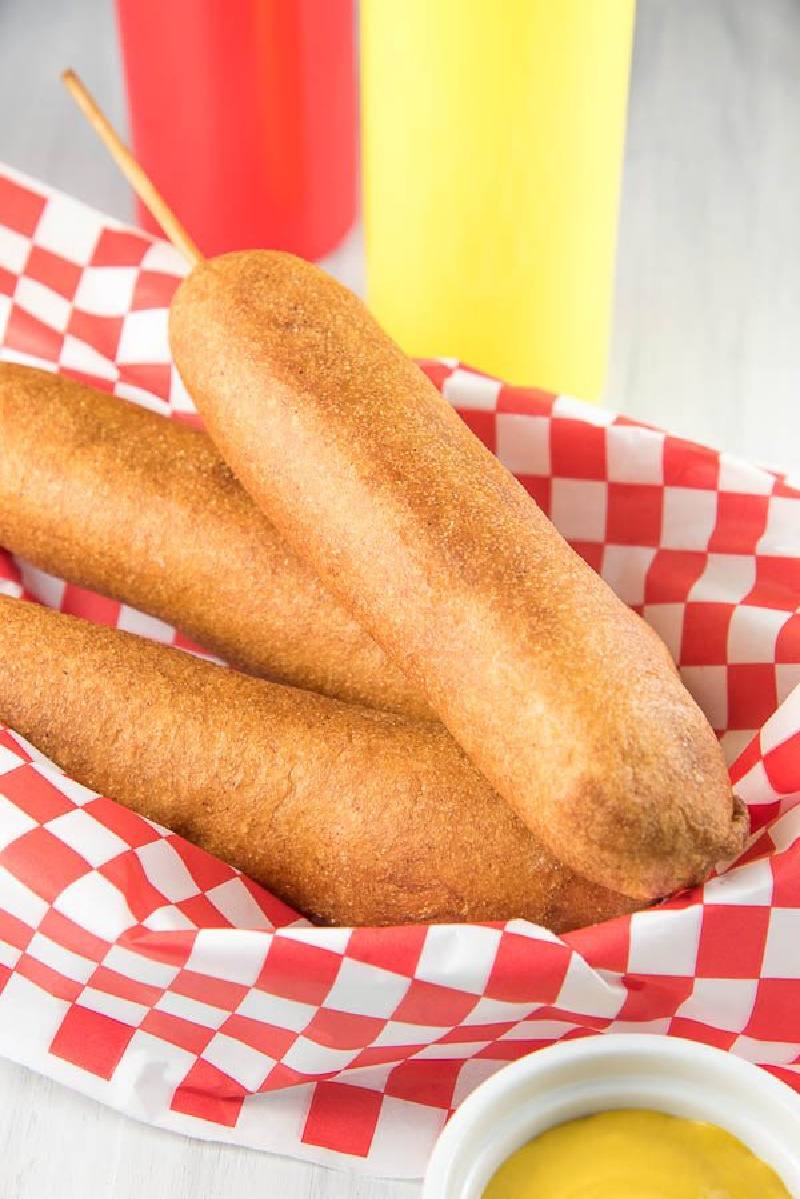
(559, 694)
(351, 815)
(142, 509)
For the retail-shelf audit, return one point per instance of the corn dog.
(110, 496)
(350, 815)
(556, 691)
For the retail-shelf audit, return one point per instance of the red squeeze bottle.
(244, 116)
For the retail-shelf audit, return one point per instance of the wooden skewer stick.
(130, 168)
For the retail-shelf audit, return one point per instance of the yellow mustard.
(635, 1155)
(492, 141)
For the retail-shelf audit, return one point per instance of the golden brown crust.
(351, 815)
(556, 691)
(113, 497)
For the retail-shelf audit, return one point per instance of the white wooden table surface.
(706, 343)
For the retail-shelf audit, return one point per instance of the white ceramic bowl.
(594, 1074)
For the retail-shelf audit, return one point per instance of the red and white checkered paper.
(143, 972)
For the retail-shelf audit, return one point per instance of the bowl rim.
(619, 1047)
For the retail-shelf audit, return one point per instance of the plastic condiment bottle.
(243, 113)
(492, 137)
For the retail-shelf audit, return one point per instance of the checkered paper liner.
(143, 972)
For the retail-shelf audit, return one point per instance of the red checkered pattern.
(141, 971)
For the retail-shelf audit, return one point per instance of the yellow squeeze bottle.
(492, 137)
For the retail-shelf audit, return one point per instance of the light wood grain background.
(706, 343)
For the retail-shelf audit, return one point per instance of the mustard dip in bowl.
(629, 1075)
